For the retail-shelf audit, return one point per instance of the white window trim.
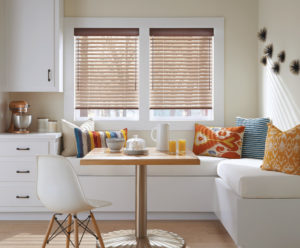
(144, 24)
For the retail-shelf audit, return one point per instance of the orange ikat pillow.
(282, 151)
(218, 141)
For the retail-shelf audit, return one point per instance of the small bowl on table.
(115, 144)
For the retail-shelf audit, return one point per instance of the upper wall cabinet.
(33, 45)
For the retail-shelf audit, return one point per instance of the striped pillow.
(254, 137)
(88, 140)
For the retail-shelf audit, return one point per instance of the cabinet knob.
(24, 171)
(22, 196)
(49, 75)
(23, 149)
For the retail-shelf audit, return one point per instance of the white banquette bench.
(259, 209)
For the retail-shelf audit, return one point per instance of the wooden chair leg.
(97, 230)
(76, 231)
(69, 230)
(48, 231)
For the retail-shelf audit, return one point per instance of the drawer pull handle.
(49, 75)
(23, 149)
(22, 197)
(25, 171)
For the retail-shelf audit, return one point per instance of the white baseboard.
(112, 216)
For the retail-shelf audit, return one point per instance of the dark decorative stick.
(276, 67)
(269, 50)
(262, 34)
(281, 56)
(295, 67)
(263, 60)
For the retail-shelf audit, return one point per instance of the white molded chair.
(59, 190)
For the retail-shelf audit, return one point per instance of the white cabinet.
(18, 168)
(33, 45)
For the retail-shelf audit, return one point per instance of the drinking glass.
(182, 146)
(172, 147)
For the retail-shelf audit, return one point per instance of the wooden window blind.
(181, 68)
(106, 68)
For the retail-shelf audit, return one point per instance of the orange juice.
(181, 146)
(172, 147)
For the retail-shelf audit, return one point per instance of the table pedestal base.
(155, 238)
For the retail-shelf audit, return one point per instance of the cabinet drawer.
(18, 195)
(23, 148)
(17, 171)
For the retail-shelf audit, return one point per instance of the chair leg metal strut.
(65, 227)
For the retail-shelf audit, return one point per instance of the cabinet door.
(29, 45)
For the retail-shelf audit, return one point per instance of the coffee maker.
(20, 121)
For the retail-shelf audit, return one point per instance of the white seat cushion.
(247, 180)
(207, 167)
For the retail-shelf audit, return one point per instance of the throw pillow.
(69, 142)
(254, 137)
(218, 141)
(88, 140)
(282, 152)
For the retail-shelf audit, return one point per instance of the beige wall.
(279, 94)
(241, 18)
(3, 111)
(49, 105)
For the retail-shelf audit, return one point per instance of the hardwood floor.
(202, 234)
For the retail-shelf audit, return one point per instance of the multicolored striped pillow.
(88, 140)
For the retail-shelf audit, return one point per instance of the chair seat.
(98, 203)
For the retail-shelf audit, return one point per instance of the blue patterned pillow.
(254, 137)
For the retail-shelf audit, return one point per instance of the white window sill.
(148, 125)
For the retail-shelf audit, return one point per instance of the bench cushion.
(208, 167)
(247, 180)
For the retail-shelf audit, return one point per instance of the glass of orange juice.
(182, 146)
(172, 147)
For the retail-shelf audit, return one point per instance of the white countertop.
(34, 135)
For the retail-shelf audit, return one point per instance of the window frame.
(144, 24)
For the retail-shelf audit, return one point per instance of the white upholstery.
(58, 187)
(207, 167)
(247, 180)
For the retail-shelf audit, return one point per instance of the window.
(106, 73)
(181, 81)
(144, 71)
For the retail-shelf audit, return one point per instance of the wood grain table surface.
(102, 156)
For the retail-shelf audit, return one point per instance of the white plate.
(136, 152)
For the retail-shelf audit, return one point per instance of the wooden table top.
(102, 156)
